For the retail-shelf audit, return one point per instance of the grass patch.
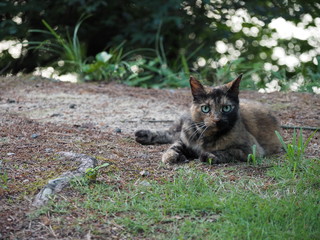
(195, 205)
(296, 162)
(283, 203)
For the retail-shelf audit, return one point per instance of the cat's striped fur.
(219, 127)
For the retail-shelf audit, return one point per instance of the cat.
(220, 128)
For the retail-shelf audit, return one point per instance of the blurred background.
(275, 43)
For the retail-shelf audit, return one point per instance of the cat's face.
(215, 109)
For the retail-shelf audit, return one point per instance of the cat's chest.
(208, 143)
(212, 143)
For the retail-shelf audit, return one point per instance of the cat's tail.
(148, 137)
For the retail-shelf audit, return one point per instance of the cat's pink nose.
(216, 120)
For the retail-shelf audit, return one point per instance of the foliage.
(155, 71)
(105, 66)
(252, 157)
(188, 27)
(92, 173)
(69, 49)
(312, 77)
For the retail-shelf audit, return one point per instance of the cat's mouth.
(205, 129)
(209, 129)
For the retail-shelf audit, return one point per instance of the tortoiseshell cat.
(219, 128)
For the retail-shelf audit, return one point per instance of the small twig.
(27, 146)
(63, 134)
(52, 232)
(62, 142)
(151, 121)
(302, 127)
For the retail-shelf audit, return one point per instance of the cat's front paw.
(209, 157)
(143, 136)
(171, 156)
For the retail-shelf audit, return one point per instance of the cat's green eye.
(227, 108)
(205, 109)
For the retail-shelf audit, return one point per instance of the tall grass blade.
(284, 145)
(309, 139)
(52, 31)
(194, 52)
(185, 64)
(294, 138)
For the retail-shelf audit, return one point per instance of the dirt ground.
(39, 118)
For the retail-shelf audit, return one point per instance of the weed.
(70, 49)
(107, 66)
(3, 177)
(91, 173)
(295, 150)
(157, 72)
(252, 158)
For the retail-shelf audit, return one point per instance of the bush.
(186, 25)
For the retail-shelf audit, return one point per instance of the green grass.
(195, 205)
(252, 157)
(295, 152)
(3, 177)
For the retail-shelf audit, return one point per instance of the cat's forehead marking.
(218, 95)
(221, 100)
(221, 95)
(216, 92)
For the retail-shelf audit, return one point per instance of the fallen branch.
(56, 185)
(300, 127)
(151, 121)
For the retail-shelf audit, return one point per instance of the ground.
(40, 118)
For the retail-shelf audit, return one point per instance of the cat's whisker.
(191, 137)
(194, 129)
(194, 126)
(198, 128)
(203, 132)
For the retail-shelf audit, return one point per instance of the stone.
(144, 173)
(72, 106)
(35, 135)
(145, 183)
(118, 130)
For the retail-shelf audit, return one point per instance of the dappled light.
(214, 40)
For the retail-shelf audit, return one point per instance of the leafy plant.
(105, 66)
(312, 77)
(71, 51)
(295, 150)
(157, 72)
(91, 173)
(252, 157)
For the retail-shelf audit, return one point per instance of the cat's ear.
(197, 88)
(233, 87)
